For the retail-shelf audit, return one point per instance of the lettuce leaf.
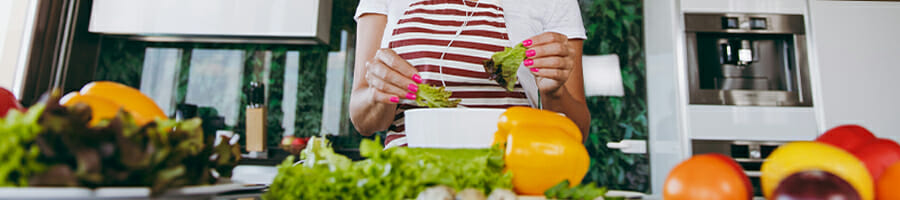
(435, 97)
(581, 191)
(502, 66)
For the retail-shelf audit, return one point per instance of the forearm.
(367, 115)
(564, 102)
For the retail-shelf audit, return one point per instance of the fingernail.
(417, 78)
(530, 53)
(413, 87)
(395, 99)
(411, 96)
(529, 62)
(526, 43)
(535, 69)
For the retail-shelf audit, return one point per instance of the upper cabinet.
(280, 21)
(744, 6)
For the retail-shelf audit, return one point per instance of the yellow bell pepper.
(542, 149)
(106, 97)
(518, 115)
(101, 108)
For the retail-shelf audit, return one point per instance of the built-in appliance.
(748, 154)
(748, 83)
(747, 60)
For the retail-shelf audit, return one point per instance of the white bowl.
(451, 127)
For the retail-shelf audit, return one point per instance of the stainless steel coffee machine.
(747, 60)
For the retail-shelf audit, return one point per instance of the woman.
(442, 42)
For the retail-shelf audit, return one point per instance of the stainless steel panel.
(778, 74)
(712, 22)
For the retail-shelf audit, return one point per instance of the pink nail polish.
(417, 78)
(535, 69)
(395, 99)
(411, 96)
(530, 53)
(413, 87)
(526, 43)
(528, 62)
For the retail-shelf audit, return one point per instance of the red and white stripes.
(421, 37)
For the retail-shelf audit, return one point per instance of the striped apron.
(446, 41)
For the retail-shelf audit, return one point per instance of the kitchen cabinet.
(744, 6)
(199, 19)
(855, 49)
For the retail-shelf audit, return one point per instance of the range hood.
(220, 21)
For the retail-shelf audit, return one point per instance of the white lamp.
(602, 76)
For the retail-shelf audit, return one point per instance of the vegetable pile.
(56, 145)
(502, 66)
(435, 97)
(396, 173)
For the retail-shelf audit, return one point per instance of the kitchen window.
(306, 86)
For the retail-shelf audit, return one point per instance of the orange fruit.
(707, 176)
(886, 187)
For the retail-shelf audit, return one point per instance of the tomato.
(878, 155)
(847, 137)
(708, 176)
(887, 185)
(806, 155)
(8, 102)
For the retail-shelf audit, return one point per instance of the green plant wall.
(616, 27)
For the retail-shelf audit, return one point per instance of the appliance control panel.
(754, 23)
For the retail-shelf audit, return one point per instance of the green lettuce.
(502, 66)
(581, 191)
(396, 173)
(435, 97)
(18, 151)
(53, 146)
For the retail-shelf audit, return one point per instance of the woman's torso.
(420, 32)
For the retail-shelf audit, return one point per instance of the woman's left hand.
(549, 58)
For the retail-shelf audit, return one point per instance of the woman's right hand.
(391, 77)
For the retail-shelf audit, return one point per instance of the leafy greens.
(581, 191)
(64, 150)
(502, 66)
(435, 97)
(396, 173)
(19, 160)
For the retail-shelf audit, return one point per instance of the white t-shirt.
(524, 18)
